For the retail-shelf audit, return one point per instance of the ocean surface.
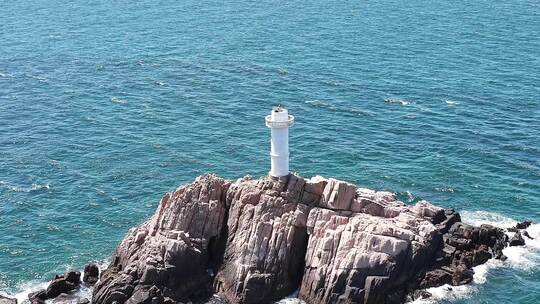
(106, 105)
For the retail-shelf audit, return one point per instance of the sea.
(107, 105)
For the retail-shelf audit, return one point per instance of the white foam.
(291, 299)
(522, 258)
(33, 187)
(25, 288)
(451, 103)
(115, 99)
(447, 293)
(22, 290)
(477, 218)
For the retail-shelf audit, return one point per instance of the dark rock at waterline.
(73, 277)
(462, 275)
(91, 273)
(420, 294)
(6, 300)
(63, 284)
(481, 255)
(517, 240)
(38, 296)
(435, 278)
(255, 241)
(523, 225)
(65, 298)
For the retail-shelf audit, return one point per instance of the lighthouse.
(279, 122)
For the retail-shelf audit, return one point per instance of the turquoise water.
(106, 106)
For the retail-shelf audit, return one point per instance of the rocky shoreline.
(259, 240)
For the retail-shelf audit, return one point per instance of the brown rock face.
(266, 241)
(365, 256)
(173, 250)
(265, 238)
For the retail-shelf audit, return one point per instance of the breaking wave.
(522, 258)
(21, 292)
(451, 103)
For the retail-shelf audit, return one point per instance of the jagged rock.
(435, 278)
(91, 273)
(266, 241)
(462, 275)
(65, 298)
(337, 195)
(481, 255)
(174, 249)
(113, 287)
(364, 258)
(264, 238)
(6, 300)
(313, 189)
(523, 225)
(63, 284)
(517, 240)
(37, 297)
(420, 294)
(146, 295)
(59, 286)
(452, 217)
(83, 301)
(73, 277)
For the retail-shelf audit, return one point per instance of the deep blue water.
(104, 106)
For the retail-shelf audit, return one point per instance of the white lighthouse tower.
(279, 122)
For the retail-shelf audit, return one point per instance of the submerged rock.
(256, 241)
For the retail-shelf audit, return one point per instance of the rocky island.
(259, 240)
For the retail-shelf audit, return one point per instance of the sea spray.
(22, 290)
(524, 258)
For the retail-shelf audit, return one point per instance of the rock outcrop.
(173, 254)
(266, 241)
(256, 241)
(91, 273)
(61, 284)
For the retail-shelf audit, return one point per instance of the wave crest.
(16, 188)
